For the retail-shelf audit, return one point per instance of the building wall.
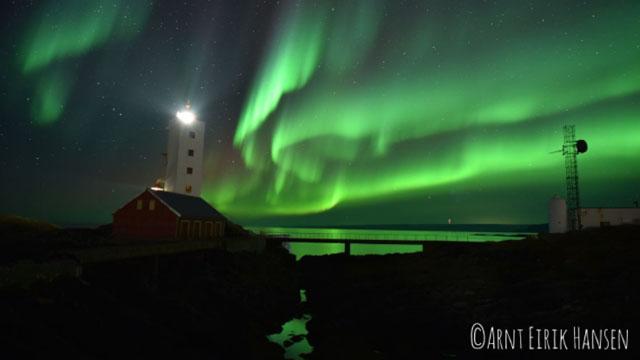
(201, 229)
(557, 215)
(182, 139)
(141, 222)
(596, 217)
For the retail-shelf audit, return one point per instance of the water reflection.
(293, 337)
(302, 249)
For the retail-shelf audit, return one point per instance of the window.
(183, 232)
(188, 189)
(189, 170)
(152, 204)
(208, 229)
(190, 153)
(139, 205)
(196, 230)
(192, 134)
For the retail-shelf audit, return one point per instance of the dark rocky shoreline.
(422, 305)
(221, 305)
(215, 305)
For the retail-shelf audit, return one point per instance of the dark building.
(163, 215)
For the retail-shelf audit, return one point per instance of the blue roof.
(187, 206)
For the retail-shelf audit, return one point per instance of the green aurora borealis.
(62, 32)
(323, 112)
(354, 108)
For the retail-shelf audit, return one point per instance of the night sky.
(321, 112)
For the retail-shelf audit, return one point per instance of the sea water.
(302, 249)
(293, 336)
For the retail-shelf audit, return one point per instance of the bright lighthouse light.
(186, 117)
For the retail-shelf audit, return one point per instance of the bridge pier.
(357, 239)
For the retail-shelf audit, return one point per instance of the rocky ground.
(220, 305)
(216, 305)
(414, 306)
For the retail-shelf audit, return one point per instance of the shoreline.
(360, 307)
(425, 304)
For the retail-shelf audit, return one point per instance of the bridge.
(279, 240)
(70, 262)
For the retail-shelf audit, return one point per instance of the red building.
(163, 215)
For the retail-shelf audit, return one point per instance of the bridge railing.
(444, 236)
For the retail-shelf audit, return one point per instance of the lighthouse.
(185, 150)
(173, 209)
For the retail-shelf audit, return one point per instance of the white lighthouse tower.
(185, 152)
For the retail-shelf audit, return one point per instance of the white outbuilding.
(557, 215)
(590, 217)
(600, 217)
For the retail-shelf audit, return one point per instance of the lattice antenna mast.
(570, 152)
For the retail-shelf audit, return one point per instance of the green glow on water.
(296, 327)
(303, 249)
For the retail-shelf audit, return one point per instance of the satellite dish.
(581, 146)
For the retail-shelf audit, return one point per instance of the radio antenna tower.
(570, 149)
